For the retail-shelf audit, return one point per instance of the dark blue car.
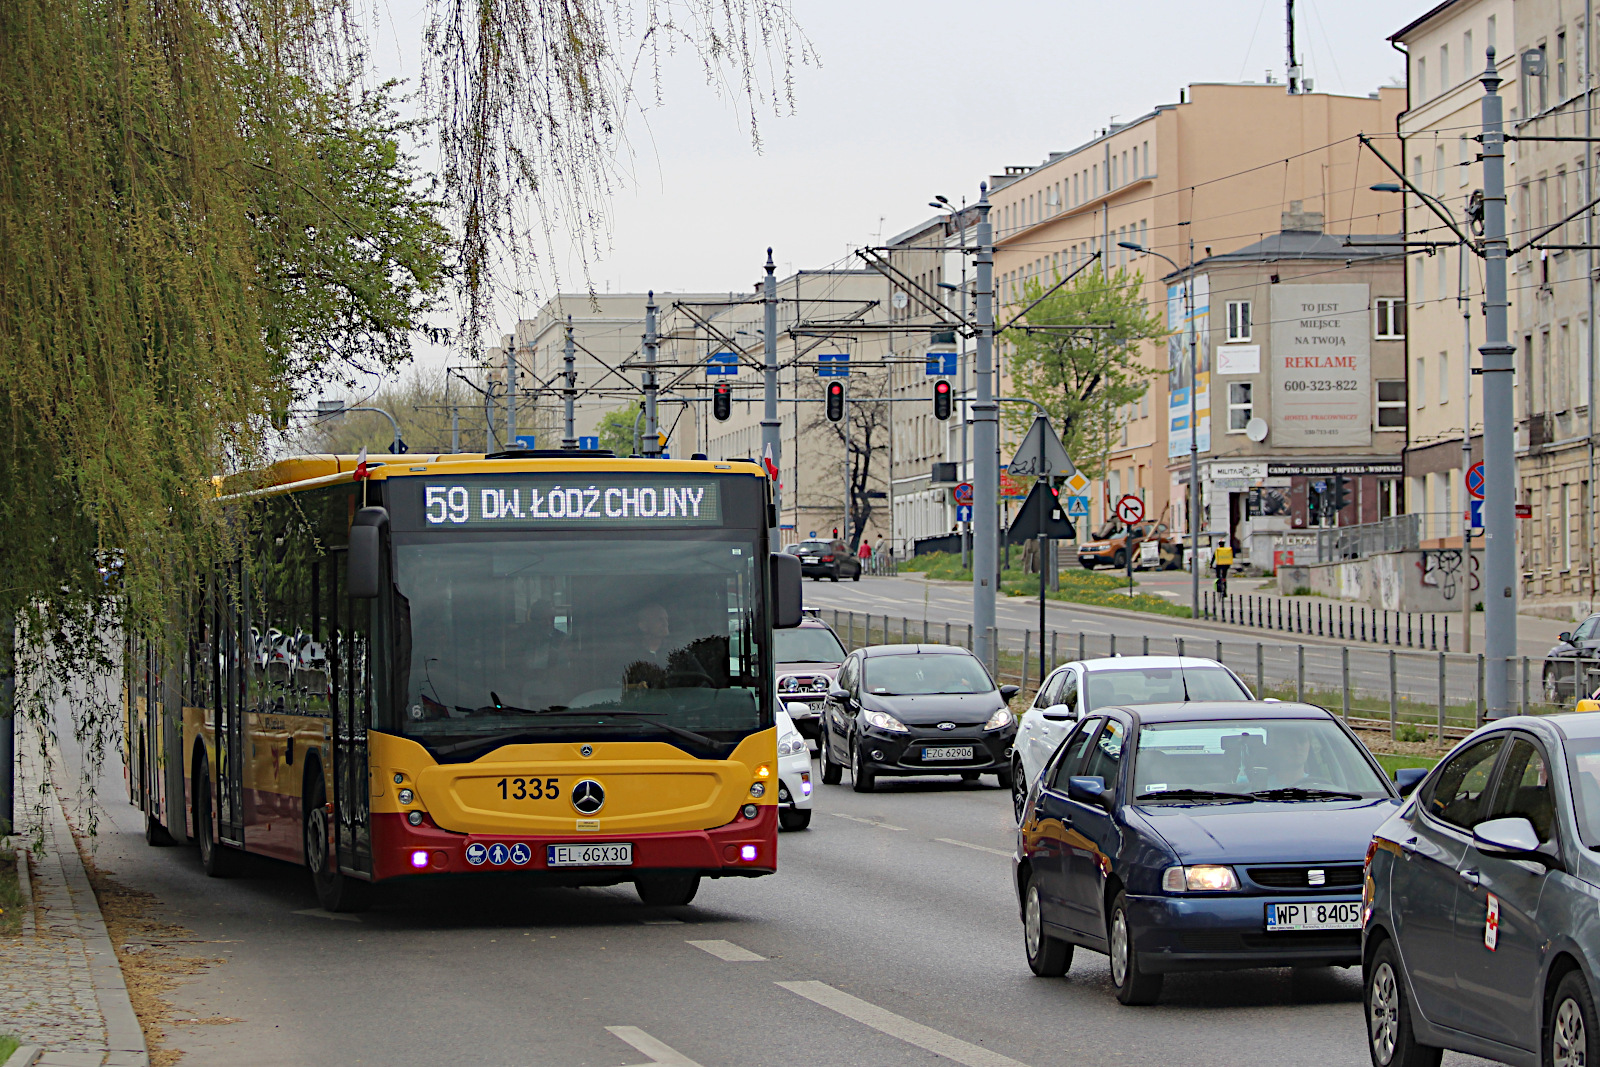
(1200, 836)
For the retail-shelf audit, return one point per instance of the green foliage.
(1077, 586)
(615, 429)
(420, 403)
(1390, 764)
(1407, 732)
(1083, 377)
(8, 1045)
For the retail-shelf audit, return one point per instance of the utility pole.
(771, 441)
(1466, 447)
(511, 394)
(985, 442)
(1293, 70)
(652, 434)
(1499, 466)
(455, 430)
(569, 395)
(1194, 439)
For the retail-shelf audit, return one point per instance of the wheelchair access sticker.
(1491, 923)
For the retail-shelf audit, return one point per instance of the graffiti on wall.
(1447, 569)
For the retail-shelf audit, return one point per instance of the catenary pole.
(1499, 465)
(1194, 440)
(569, 395)
(1465, 302)
(771, 428)
(985, 441)
(652, 434)
(511, 394)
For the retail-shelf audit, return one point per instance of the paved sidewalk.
(61, 987)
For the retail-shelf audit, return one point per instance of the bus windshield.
(536, 637)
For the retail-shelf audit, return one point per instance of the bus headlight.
(414, 818)
(751, 811)
(407, 796)
(758, 789)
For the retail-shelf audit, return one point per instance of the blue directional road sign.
(526, 440)
(722, 364)
(1477, 514)
(941, 365)
(833, 364)
(963, 512)
(590, 443)
(1078, 505)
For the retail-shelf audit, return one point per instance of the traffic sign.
(1078, 505)
(833, 364)
(940, 365)
(1475, 480)
(526, 440)
(1130, 509)
(963, 493)
(1041, 454)
(963, 512)
(1040, 516)
(720, 364)
(589, 443)
(1477, 514)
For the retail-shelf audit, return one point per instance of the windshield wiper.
(1294, 792)
(1193, 794)
(499, 739)
(494, 740)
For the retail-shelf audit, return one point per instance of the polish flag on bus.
(361, 464)
(767, 462)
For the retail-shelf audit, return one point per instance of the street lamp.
(1466, 399)
(1194, 428)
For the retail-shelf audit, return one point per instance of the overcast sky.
(913, 99)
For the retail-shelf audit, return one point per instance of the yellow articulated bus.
(557, 664)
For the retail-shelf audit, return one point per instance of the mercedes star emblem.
(586, 751)
(947, 726)
(588, 796)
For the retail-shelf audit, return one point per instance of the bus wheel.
(669, 889)
(336, 891)
(154, 833)
(216, 859)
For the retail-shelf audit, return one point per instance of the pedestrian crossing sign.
(1078, 505)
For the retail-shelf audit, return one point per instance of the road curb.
(24, 1056)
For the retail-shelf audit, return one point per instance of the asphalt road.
(889, 936)
(1417, 673)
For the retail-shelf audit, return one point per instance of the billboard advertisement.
(1321, 366)
(1185, 327)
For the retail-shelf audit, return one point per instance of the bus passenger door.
(351, 714)
(233, 635)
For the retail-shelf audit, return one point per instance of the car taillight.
(827, 559)
(1372, 848)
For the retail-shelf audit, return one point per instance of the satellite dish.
(1256, 430)
(900, 300)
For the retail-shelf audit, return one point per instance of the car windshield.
(812, 548)
(1161, 685)
(1583, 767)
(806, 644)
(545, 634)
(1268, 759)
(921, 673)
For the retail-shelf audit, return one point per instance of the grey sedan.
(1481, 925)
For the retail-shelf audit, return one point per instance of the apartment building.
(1303, 360)
(1553, 289)
(1214, 170)
(1443, 320)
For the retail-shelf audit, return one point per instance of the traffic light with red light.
(941, 400)
(835, 401)
(722, 403)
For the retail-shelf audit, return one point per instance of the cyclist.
(1221, 560)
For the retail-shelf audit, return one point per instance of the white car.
(1074, 689)
(794, 775)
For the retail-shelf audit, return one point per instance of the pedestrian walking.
(1221, 560)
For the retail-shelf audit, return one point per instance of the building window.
(1444, 377)
(1422, 78)
(1489, 36)
(1420, 378)
(1464, 160)
(1392, 405)
(1391, 319)
(1240, 407)
(1438, 170)
(1238, 320)
(1561, 65)
(1466, 53)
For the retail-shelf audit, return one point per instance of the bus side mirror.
(787, 590)
(363, 568)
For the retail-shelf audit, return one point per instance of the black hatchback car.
(912, 710)
(826, 559)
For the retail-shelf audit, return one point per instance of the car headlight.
(791, 744)
(884, 721)
(1204, 878)
(999, 719)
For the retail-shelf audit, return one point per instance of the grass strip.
(11, 902)
(1106, 590)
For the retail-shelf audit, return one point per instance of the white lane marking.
(866, 822)
(968, 844)
(898, 1026)
(658, 1051)
(318, 913)
(727, 950)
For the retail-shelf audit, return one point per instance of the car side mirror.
(787, 590)
(364, 568)
(838, 695)
(1090, 789)
(1565, 636)
(1009, 691)
(1059, 713)
(1406, 779)
(1511, 839)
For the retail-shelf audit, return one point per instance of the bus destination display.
(533, 500)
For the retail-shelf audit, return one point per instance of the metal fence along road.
(1318, 618)
(1417, 694)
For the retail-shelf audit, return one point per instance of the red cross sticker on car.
(1491, 923)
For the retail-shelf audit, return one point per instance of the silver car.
(1481, 917)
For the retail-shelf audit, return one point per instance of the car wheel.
(1048, 957)
(834, 577)
(336, 891)
(1119, 560)
(1552, 684)
(1006, 778)
(1086, 564)
(862, 780)
(856, 577)
(831, 771)
(216, 859)
(794, 818)
(1133, 985)
(1390, 1038)
(1574, 1038)
(668, 889)
(1019, 792)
